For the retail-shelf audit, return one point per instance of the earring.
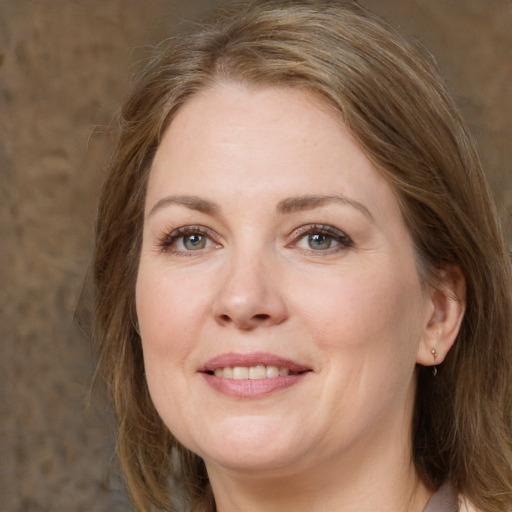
(434, 354)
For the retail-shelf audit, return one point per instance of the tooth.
(240, 372)
(257, 372)
(272, 371)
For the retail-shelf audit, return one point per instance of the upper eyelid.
(170, 235)
(188, 229)
(342, 238)
(318, 227)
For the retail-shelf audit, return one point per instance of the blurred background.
(65, 67)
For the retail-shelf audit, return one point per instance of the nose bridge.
(249, 294)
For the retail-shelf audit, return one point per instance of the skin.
(257, 272)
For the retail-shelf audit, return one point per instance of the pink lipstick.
(251, 375)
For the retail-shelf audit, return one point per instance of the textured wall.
(64, 66)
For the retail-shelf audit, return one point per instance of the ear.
(447, 301)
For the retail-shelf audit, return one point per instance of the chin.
(249, 444)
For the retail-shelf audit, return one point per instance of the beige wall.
(64, 66)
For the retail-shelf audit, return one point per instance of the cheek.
(165, 325)
(364, 311)
(168, 309)
(165, 349)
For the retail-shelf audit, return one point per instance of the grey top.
(444, 500)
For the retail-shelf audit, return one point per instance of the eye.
(187, 239)
(321, 239)
(193, 242)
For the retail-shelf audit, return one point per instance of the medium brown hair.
(388, 92)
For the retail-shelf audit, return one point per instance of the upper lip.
(252, 359)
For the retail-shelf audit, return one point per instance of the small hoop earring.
(434, 354)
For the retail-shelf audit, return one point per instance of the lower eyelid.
(337, 245)
(167, 241)
(170, 237)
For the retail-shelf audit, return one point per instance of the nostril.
(261, 316)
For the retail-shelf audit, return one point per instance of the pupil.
(194, 242)
(319, 241)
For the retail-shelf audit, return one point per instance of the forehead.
(230, 113)
(261, 141)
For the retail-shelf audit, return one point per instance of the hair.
(388, 92)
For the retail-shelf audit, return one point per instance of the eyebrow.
(300, 203)
(286, 206)
(191, 202)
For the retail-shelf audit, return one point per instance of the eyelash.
(343, 241)
(165, 243)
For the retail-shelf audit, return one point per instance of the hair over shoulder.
(388, 92)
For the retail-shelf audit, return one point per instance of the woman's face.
(278, 299)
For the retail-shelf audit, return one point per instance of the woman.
(303, 292)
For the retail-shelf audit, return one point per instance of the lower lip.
(249, 388)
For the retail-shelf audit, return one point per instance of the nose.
(250, 295)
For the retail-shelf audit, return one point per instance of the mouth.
(252, 375)
(252, 366)
(259, 371)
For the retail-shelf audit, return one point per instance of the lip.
(247, 388)
(252, 359)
